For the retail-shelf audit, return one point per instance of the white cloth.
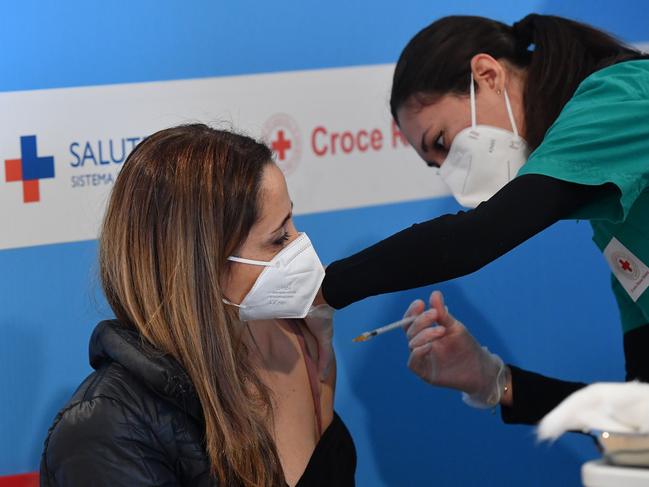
(613, 407)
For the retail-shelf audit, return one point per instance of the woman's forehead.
(273, 184)
(275, 200)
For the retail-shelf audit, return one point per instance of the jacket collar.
(114, 342)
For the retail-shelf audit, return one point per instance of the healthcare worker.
(528, 124)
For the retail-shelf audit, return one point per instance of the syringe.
(363, 337)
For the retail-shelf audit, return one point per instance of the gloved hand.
(319, 320)
(448, 356)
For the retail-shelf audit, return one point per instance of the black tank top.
(333, 462)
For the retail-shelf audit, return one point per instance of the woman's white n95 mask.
(287, 286)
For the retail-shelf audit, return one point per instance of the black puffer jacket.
(136, 421)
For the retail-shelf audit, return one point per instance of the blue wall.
(49, 44)
(545, 306)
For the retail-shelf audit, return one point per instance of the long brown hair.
(558, 54)
(185, 199)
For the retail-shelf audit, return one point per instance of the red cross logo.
(625, 265)
(281, 145)
(284, 137)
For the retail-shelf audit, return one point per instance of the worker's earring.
(498, 92)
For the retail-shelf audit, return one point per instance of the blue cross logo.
(29, 168)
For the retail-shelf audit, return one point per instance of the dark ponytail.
(558, 54)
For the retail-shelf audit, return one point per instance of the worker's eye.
(440, 145)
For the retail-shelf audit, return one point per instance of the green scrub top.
(602, 136)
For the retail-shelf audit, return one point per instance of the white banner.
(61, 149)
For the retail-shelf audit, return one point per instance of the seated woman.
(190, 388)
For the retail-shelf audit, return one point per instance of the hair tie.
(523, 30)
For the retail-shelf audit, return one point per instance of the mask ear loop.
(227, 301)
(508, 105)
(244, 261)
(249, 261)
(472, 96)
(511, 115)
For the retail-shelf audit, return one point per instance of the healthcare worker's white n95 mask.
(482, 158)
(287, 286)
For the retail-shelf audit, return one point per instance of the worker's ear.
(488, 73)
